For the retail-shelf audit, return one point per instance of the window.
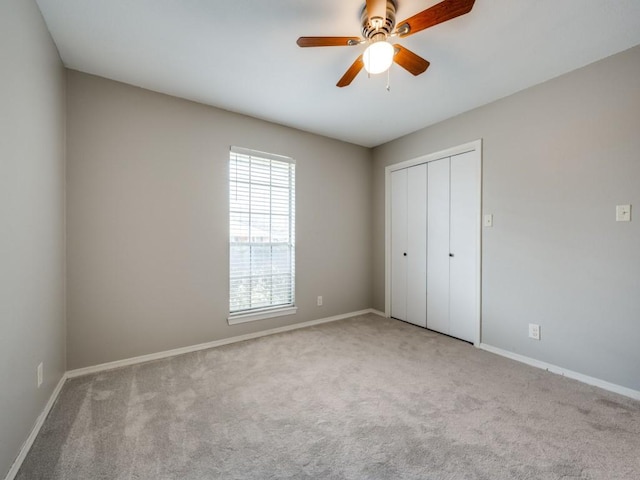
(261, 240)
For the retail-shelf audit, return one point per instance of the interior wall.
(557, 159)
(32, 251)
(148, 221)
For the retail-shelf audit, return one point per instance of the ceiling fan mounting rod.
(374, 26)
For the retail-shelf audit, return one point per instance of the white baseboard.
(13, 471)
(216, 343)
(596, 382)
(377, 312)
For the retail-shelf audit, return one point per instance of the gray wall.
(31, 221)
(148, 221)
(557, 159)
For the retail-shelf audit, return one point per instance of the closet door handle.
(451, 254)
(405, 254)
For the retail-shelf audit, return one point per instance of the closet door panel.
(465, 228)
(417, 245)
(399, 244)
(438, 246)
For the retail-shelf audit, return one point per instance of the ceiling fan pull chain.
(388, 80)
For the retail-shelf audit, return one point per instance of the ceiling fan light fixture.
(378, 57)
(378, 19)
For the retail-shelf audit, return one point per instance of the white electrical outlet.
(534, 331)
(40, 374)
(488, 220)
(319, 300)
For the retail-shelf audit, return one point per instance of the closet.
(434, 244)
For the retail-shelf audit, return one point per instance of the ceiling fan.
(378, 26)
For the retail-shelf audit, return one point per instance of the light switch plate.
(623, 213)
(488, 220)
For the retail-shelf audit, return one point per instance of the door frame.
(475, 146)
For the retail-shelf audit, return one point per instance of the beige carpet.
(364, 398)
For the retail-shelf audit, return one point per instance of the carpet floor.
(363, 398)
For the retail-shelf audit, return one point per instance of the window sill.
(261, 315)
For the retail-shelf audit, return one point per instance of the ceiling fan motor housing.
(377, 28)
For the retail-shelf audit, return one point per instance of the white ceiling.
(241, 55)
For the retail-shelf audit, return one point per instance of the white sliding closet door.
(409, 244)
(417, 245)
(399, 244)
(453, 239)
(438, 246)
(464, 232)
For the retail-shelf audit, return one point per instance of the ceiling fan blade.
(439, 13)
(350, 74)
(377, 8)
(408, 60)
(327, 41)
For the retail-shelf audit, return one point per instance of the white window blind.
(262, 226)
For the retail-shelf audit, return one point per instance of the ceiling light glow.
(378, 57)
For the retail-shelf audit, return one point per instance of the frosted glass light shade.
(378, 57)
